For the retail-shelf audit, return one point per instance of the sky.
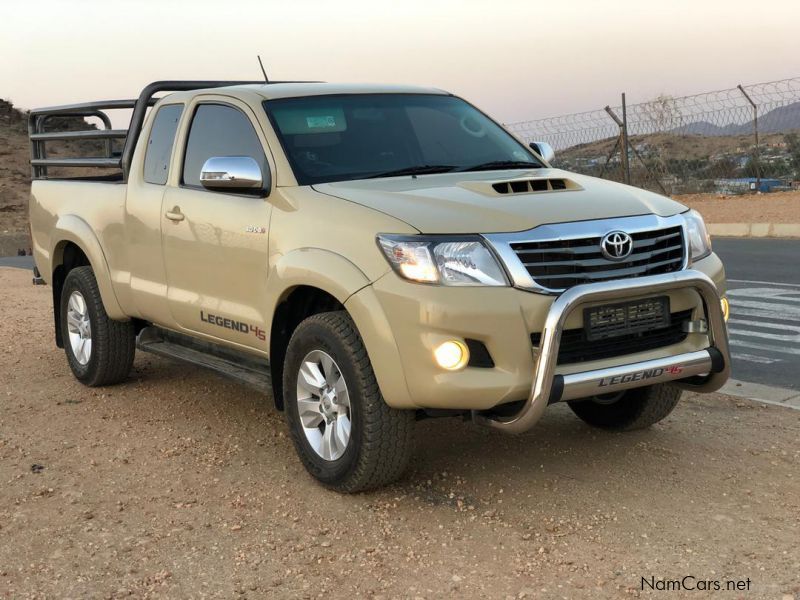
(516, 59)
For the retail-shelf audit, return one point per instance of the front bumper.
(704, 370)
(401, 324)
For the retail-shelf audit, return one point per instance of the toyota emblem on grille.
(616, 245)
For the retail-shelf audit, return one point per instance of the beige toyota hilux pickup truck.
(370, 255)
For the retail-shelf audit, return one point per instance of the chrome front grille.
(553, 258)
(560, 264)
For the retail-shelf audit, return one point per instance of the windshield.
(341, 137)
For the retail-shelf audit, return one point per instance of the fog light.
(726, 309)
(451, 355)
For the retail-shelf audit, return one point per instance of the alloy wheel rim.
(323, 403)
(79, 328)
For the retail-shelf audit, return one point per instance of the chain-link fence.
(730, 141)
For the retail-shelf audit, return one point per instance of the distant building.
(744, 185)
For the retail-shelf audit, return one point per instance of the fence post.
(622, 138)
(621, 141)
(626, 159)
(756, 151)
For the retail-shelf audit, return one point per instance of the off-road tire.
(113, 342)
(381, 439)
(636, 409)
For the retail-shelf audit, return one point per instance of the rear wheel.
(99, 349)
(346, 435)
(629, 410)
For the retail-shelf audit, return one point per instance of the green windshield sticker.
(300, 121)
(323, 122)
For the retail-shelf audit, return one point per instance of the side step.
(239, 366)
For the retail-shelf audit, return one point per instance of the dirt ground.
(180, 484)
(778, 207)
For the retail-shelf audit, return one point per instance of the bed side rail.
(38, 120)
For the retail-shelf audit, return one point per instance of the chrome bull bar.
(700, 371)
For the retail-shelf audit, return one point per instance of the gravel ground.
(778, 207)
(181, 484)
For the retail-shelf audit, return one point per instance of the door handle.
(175, 214)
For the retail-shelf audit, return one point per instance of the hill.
(15, 170)
(687, 163)
(14, 178)
(783, 118)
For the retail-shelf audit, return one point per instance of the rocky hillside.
(15, 174)
(14, 179)
(777, 120)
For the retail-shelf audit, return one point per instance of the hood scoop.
(528, 186)
(522, 186)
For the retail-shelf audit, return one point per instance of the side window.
(159, 146)
(219, 130)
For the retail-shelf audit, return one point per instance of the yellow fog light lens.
(726, 309)
(451, 355)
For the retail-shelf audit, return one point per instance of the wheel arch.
(76, 245)
(303, 283)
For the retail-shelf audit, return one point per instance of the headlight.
(445, 260)
(699, 240)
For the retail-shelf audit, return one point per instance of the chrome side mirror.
(232, 173)
(544, 150)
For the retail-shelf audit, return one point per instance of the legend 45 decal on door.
(233, 325)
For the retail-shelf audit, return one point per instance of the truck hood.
(499, 201)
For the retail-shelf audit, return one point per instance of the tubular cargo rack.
(39, 135)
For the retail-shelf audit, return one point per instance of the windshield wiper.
(502, 164)
(418, 170)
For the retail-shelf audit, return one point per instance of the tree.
(662, 114)
(726, 168)
(793, 147)
(751, 168)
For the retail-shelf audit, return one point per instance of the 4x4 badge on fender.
(616, 245)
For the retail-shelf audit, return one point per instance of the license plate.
(624, 318)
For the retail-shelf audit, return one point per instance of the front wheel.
(346, 435)
(632, 409)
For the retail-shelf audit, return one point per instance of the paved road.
(22, 262)
(764, 283)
